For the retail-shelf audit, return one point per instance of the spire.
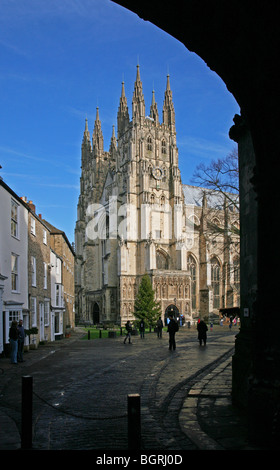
(153, 109)
(123, 115)
(97, 137)
(86, 146)
(138, 103)
(113, 151)
(168, 113)
(86, 138)
(113, 144)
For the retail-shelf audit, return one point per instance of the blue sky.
(59, 60)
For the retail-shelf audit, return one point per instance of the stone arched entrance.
(171, 309)
(95, 314)
(239, 40)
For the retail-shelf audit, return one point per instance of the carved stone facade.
(134, 216)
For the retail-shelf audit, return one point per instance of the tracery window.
(163, 147)
(162, 262)
(149, 143)
(215, 281)
(236, 278)
(191, 264)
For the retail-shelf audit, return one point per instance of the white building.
(13, 261)
(57, 297)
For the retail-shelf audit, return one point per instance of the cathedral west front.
(134, 216)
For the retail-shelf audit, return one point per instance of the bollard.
(88, 335)
(26, 412)
(100, 333)
(134, 422)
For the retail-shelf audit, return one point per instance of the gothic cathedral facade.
(134, 216)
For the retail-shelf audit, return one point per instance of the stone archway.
(240, 41)
(95, 313)
(171, 309)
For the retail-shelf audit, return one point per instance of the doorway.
(95, 314)
(171, 310)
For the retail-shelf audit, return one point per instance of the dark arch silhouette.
(95, 313)
(240, 40)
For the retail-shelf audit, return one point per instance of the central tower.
(133, 195)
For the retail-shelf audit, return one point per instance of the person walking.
(202, 329)
(21, 337)
(172, 329)
(13, 338)
(128, 332)
(142, 328)
(159, 327)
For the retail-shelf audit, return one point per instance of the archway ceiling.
(239, 40)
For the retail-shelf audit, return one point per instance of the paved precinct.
(80, 390)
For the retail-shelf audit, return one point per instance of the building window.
(33, 310)
(44, 237)
(163, 147)
(45, 267)
(236, 278)
(14, 218)
(46, 312)
(14, 315)
(59, 295)
(14, 272)
(149, 144)
(193, 270)
(215, 281)
(32, 226)
(161, 260)
(33, 271)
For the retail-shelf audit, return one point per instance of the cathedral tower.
(134, 217)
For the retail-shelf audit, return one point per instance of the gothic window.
(107, 226)
(216, 222)
(164, 173)
(149, 143)
(162, 200)
(162, 262)
(215, 281)
(152, 199)
(191, 263)
(236, 277)
(163, 147)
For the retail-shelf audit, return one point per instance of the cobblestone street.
(80, 390)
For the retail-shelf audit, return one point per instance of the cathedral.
(134, 216)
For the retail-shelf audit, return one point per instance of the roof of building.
(57, 231)
(194, 196)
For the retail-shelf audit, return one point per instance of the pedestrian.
(202, 328)
(21, 337)
(13, 338)
(159, 327)
(172, 329)
(142, 328)
(128, 328)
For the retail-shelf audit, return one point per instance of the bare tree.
(221, 176)
(220, 182)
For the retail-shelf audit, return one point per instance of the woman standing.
(13, 338)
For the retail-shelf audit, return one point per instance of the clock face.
(157, 173)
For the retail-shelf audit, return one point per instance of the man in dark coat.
(172, 329)
(202, 328)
